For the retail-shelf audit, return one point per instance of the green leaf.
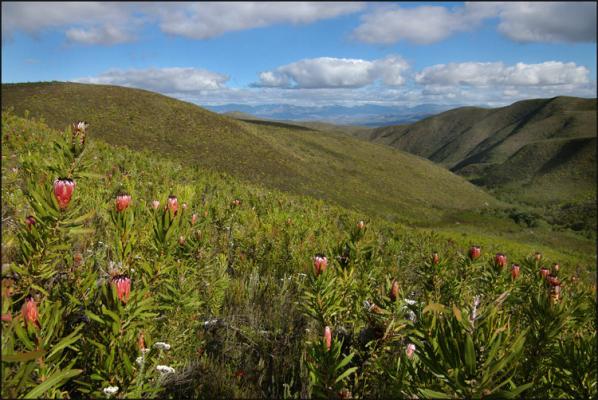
(431, 394)
(434, 307)
(345, 374)
(54, 381)
(470, 356)
(21, 357)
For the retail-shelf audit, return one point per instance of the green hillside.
(519, 148)
(330, 166)
(222, 297)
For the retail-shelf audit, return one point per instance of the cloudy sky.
(309, 53)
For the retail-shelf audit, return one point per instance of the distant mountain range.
(371, 115)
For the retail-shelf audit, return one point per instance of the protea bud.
(360, 225)
(475, 252)
(123, 287)
(141, 342)
(122, 202)
(435, 258)
(236, 202)
(193, 219)
(30, 221)
(555, 294)
(184, 205)
(556, 267)
(538, 256)
(77, 259)
(500, 260)
(320, 263)
(181, 240)
(155, 204)
(173, 204)
(394, 291)
(410, 350)
(544, 272)
(29, 311)
(63, 191)
(327, 337)
(515, 270)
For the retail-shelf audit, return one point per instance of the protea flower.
(320, 263)
(181, 240)
(173, 204)
(29, 311)
(193, 219)
(500, 260)
(435, 258)
(82, 126)
(30, 221)
(361, 225)
(410, 350)
(327, 337)
(63, 191)
(538, 256)
(515, 270)
(155, 204)
(544, 272)
(236, 202)
(475, 252)
(141, 342)
(555, 293)
(123, 287)
(77, 259)
(122, 202)
(394, 290)
(553, 280)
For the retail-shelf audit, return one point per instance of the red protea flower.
(122, 202)
(361, 225)
(515, 270)
(155, 204)
(410, 350)
(394, 290)
(327, 337)
(435, 258)
(30, 221)
(29, 311)
(63, 191)
(544, 272)
(475, 252)
(123, 287)
(193, 219)
(500, 260)
(173, 204)
(320, 263)
(553, 280)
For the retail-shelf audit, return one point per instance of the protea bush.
(101, 298)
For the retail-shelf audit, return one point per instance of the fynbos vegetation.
(127, 275)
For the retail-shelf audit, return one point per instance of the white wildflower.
(140, 360)
(145, 351)
(110, 390)
(165, 369)
(210, 322)
(410, 302)
(162, 346)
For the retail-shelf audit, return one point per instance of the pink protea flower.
(553, 280)
(63, 191)
(155, 204)
(327, 337)
(30, 221)
(410, 350)
(122, 202)
(193, 219)
(544, 272)
(394, 291)
(475, 252)
(29, 311)
(515, 271)
(320, 263)
(500, 260)
(173, 204)
(361, 225)
(435, 258)
(123, 287)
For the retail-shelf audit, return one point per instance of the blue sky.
(309, 53)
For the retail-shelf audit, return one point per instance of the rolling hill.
(542, 150)
(326, 165)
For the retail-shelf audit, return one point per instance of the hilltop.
(327, 165)
(521, 149)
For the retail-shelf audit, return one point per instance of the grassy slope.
(521, 148)
(344, 170)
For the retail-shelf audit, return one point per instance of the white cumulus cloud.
(549, 73)
(163, 80)
(519, 21)
(329, 72)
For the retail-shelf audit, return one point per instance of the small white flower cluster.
(140, 360)
(210, 322)
(162, 346)
(165, 369)
(110, 390)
